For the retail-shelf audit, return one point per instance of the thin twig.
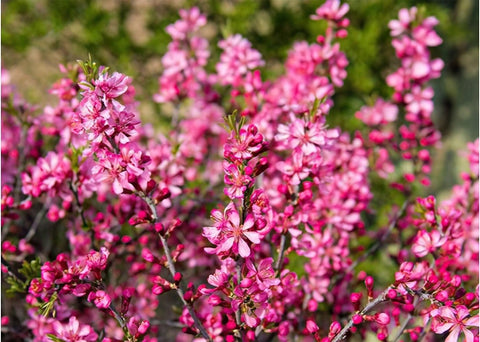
(374, 247)
(171, 268)
(13, 272)
(279, 261)
(79, 205)
(372, 304)
(36, 222)
(238, 314)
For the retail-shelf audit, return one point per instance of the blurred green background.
(129, 36)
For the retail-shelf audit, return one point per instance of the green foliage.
(55, 338)
(29, 270)
(49, 307)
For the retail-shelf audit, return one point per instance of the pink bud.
(311, 326)
(188, 295)
(251, 335)
(335, 328)
(382, 318)
(177, 277)
(158, 227)
(361, 275)
(369, 286)
(289, 211)
(143, 327)
(357, 319)
(341, 34)
(246, 282)
(425, 181)
(147, 255)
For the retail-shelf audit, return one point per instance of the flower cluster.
(275, 251)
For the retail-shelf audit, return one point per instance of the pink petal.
(453, 337)
(243, 248)
(468, 335)
(253, 236)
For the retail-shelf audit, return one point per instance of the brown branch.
(371, 305)
(171, 268)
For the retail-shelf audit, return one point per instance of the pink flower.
(309, 136)
(419, 101)
(100, 298)
(111, 169)
(47, 176)
(295, 168)
(233, 236)
(110, 87)
(191, 20)
(73, 331)
(331, 10)
(236, 60)
(248, 144)
(238, 182)
(427, 242)
(264, 273)
(405, 16)
(454, 320)
(381, 113)
(218, 279)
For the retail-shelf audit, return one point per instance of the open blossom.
(427, 242)
(405, 17)
(236, 60)
(308, 136)
(110, 87)
(191, 20)
(331, 10)
(73, 331)
(238, 182)
(455, 320)
(381, 113)
(111, 169)
(100, 298)
(248, 144)
(48, 175)
(231, 236)
(295, 168)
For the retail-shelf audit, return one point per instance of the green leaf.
(48, 307)
(31, 270)
(54, 338)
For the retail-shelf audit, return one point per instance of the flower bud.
(177, 278)
(311, 326)
(357, 319)
(382, 318)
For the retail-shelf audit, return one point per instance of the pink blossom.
(331, 10)
(427, 242)
(234, 236)
(48, 175)
(419, 101)
(454, 320)
(100, 298)
(237, 59)
(191, 20)
(110, 87)
(238, 182)
(405, 16)
(73, 331)
(309, 137)
(381, 113)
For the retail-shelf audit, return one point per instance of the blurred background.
(130, 37)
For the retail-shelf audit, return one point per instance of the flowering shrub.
(290, 200)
